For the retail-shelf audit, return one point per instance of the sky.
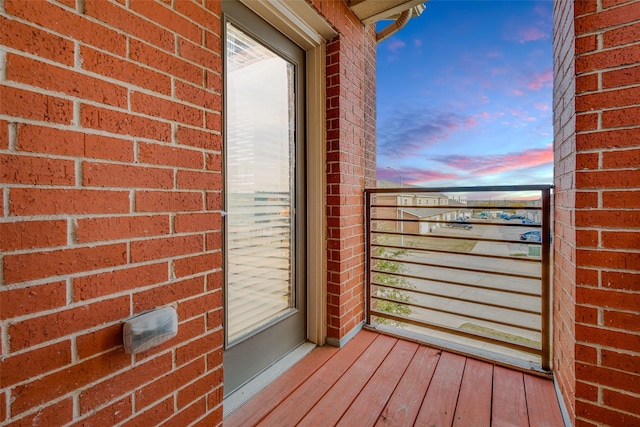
(464, 95)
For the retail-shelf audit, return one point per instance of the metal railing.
(469, 275)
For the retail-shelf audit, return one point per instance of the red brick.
(587, 354)
(170, 110)
(169, 383)
(621, 199)
(200, 305)
(102, 284)
(162, 61)
(586, 44)
(214, 162)
(198, 138)
(607, 59)
(124, 70)
(58, 384)
(605, 18)
(606, 218)
(34, 363)
(113, 228)
(604, 415)
(36, 170)
(125, 382)
(585, 122)
(197, 264)
(165, 247)
(191, 180)
(170, 156)
(621, 240)
(44, 201)
(167, 294)
(602, 179)
(188, 415)
(32, 234)
(33, 299)
(124, 123)
(186, 332)
(214, 201)
(197, 13)
(622, 402)
(126, 176)
(105, 339)
(165, 17)
(584, 7)
(620, 280)
(36, 106)
(621, 117)
(55, 141)
(57, 414)
(4, 136)
(198, 96)
(607, 259)
(618, 320)
(64, 22)
(621, 361)
(168, 201)
(199, 388)
(199, 55)
(199, 347)
(57, 79)
(586, 199)
(621, 159)
(608, 99)
(609, 338)
(619, 36)
(213, 121)
(213, 241)
(586, 391)
(152, 416)
(622, 77)
(110, 415)
(213, 79)
(214, 417)
(38, 265)
(588, 315)
(608, 298)
(193, 222)
(28, 39)
(130, 24)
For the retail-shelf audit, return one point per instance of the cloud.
(498, 163)
(409, 133)
(540, 80)
(411, 175)
(530, 34)
(417, 42)
(394, 44)
(542, 107)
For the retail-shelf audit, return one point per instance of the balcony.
(380, 380)
(471, 276)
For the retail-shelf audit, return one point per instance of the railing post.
(546, 280)
(367, 262)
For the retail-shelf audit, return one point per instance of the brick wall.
(110, 154)
(606, 249)
(608, 212)
(350, 165)
(564, 272)
(111, 173)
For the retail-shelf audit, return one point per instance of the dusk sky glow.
(464, 95)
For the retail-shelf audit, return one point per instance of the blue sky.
(464, 95)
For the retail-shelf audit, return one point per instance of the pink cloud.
(493, 164)
(517, 92)
(395, 44)
(540, 80)
(412, 175)
(529, 34)
(541, 107)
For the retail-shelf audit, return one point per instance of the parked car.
(531, 236)
(460, 224)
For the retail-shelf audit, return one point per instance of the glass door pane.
(260, 154)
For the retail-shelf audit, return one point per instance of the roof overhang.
(371, 11)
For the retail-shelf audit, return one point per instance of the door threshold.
(260, 381)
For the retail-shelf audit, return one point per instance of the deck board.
(367, 407)
(296, 406)
(474, 402)
(338, 399)
(439, 404)
(542, 404)
(384, 381)
(509, 406)
(403, 406)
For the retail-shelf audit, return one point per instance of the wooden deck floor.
(377, 380)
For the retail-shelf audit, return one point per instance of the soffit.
(370, 11)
